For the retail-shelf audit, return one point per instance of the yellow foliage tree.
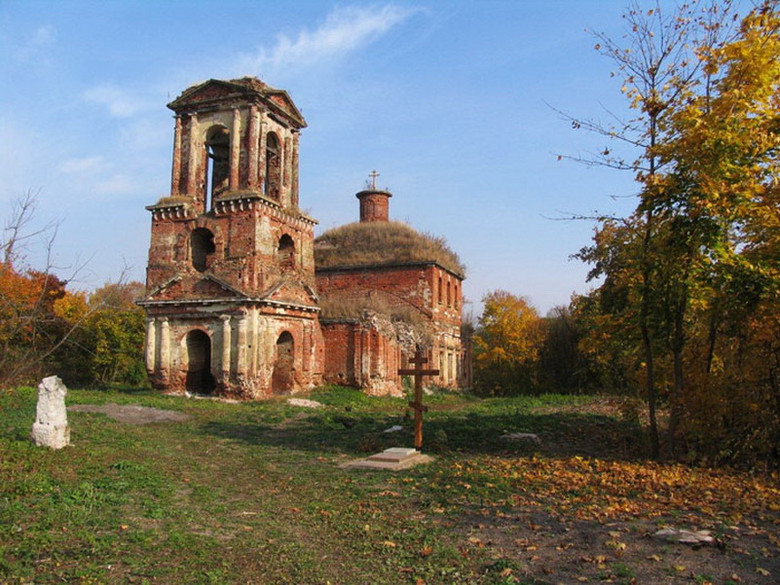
(692, 277)
(506, 345)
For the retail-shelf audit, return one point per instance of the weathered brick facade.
(428, 289)
(232, 298)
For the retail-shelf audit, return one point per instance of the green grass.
(253, 493)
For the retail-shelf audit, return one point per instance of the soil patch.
(534, 547)
(132, 414)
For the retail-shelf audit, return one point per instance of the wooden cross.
(373, 175)
(418, 360)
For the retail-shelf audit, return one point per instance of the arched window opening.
(286, 252)
(449, 294)
(441, 292)
(199, 377)
(201, 247)
(273, 166)
(218, 150)
(283, 377)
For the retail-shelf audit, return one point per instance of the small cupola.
(374, 203)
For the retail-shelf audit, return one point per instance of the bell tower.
(230, 294)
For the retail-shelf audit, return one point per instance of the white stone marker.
(51, 418)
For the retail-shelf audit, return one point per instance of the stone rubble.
(304, 403)
(681, 536)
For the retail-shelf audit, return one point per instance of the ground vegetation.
(162, 489)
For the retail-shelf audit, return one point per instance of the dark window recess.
(201, 247)
(286, 252)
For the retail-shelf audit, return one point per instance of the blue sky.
(450, 101)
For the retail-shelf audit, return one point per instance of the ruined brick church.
(243, 302)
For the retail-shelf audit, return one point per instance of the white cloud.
(116, 184)
(44, 36)
(37, 44)
(346, 29)
(118, 102)
(81, 165)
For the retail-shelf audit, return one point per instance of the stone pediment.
(245, 89)
(207, 287)
(213, 90)
(210, 287)
(171, 288)
(290, 291)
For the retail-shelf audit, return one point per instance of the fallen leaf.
(427, 550)
(761, 571)
(655, 558)
(389, 544)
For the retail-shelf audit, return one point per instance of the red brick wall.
(374, 205)
(363, 357)
(417, 286)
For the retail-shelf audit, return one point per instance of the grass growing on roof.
(377, 243)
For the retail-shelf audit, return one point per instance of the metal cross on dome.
(373, 175)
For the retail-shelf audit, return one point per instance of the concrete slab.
(392, 459)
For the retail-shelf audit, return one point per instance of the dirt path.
(132, 414)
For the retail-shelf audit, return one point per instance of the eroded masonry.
(243, 302)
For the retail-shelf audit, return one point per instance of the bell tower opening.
(273, 166)
(218, 168)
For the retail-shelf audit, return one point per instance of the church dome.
(382, 244)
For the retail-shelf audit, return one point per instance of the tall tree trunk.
(647, 342)
(675, 400)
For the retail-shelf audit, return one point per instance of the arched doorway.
(283, 377)
(199, 378)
